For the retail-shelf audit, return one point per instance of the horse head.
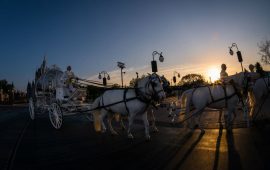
(241, 81)
(152, 87)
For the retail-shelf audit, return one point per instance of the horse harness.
(226, 98)
(141, 96)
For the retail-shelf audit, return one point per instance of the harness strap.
(125, 99)
(140, 95)
(225, 94)
(102, 101)
(212, 98)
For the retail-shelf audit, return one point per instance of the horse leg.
(194, 119)
(146, 125)
(170, 110)
(110, 117)
(227, 118)
(199, 123)
(130, 122)
(102, 116)
(122, 124)
(155, 129)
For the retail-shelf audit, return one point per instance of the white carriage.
(51, 95)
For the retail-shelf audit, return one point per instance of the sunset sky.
(92, 35)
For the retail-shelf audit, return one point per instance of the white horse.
(213, 96)
(258, 94)
(130, 102)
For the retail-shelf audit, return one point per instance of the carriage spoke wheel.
(31, 108)
(55, 115)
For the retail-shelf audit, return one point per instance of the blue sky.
(93, 35)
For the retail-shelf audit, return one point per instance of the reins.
(141, 96)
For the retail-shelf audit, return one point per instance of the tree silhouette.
(264, 48)
(192, 80)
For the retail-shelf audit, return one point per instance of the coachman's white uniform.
(68, 76)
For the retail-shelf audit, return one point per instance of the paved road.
(26, 144)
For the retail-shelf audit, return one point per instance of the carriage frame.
(51, 95)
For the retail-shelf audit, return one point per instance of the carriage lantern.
(238, 53)
(154, 62)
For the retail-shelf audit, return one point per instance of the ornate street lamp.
(106, 77)
(174, 77)
(239, 55)
(154, 62)
(121, 66)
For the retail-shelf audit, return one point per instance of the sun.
(213, 74)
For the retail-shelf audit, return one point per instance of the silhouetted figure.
(260, 70)
(251, 68)
(223, 73)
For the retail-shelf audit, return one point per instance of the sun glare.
(213, 74)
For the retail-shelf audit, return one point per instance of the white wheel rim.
(31, 109)
(55, 115)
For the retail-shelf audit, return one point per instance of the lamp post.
(239, 55)
(174, 77)
(154, 62)
(106, 77)
(121, 66)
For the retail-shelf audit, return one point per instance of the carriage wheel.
(56, 116)
(31, 108)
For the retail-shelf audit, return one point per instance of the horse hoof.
(202, 131)
(114, 133)
(147, 138)
(130, 136)
(103, 131)
(155, 129)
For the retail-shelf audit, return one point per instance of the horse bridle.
(149, 96)
(155, 92)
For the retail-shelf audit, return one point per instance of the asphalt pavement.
(27, 144)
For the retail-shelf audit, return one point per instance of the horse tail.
(96, 114)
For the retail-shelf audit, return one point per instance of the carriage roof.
(51, 77)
